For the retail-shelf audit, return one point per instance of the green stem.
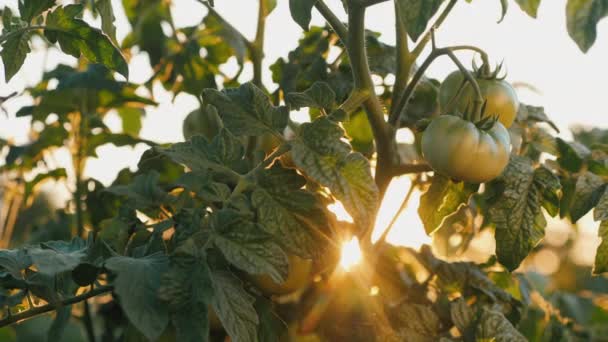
(332, 20)
(404, 57)
(427, 36)
(10, 34)
(51, 307)
(409, 90)
(363, 82)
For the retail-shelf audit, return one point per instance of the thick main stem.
(363, 81)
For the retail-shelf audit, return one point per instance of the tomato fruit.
(500, 96)
(460, 150)
(204, 122)
(300, 273)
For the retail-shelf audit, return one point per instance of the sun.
(351, 254)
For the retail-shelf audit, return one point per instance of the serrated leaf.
(247, 110)
(587, 192)
(493, 325)
(77, 38)
(319, 151)
(137, 283)
(55, 257)
(520, 222)
(246, 246)
(234, 307)
(529, 6)
(301, 12)
(601, 255)
(571, 155)
(272, 327)
(14, 261)
(106, 12)
(416, 14)
(225, 150)
(442, 199)
(215, 24)
(582, 17)
(14, 51)
(284, 210)
(144, 191)
(600, 213)
(419, 319)
(201, 183)
(462, 315)
(319, 95)
(29, 9)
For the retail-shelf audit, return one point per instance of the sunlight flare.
(408, 229)
(351, 254)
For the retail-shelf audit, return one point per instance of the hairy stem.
(409, 90)
(50, 307)
(363, 81)
(332, 20)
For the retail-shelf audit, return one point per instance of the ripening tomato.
(300, 274)
(500, 96)
(460, 150)
(204, 122)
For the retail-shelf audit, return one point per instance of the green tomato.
(500, 96)
(204, 122)
(458, 149)
(300, 274)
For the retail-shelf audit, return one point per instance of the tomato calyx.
(484, 72)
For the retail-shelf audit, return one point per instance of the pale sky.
(536, 51)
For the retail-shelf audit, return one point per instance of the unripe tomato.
(500, 96)
(460, 150)
(205, 122)
(300, 274)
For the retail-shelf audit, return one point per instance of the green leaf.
(62, 318)
(104, 8)
(137, 283)
(582, 17)
(144, 191)
(55, 257)
(286, 211)
(529, 6)
(271, 328)
(234, 307)
(601, 255)
(319, 95)
(14, 51)
(14, 261)
(77, 38)
(493, 325)
(247, 246)
(319, 151)
(520, 222)
(201, 183)
(416, 15)
(215, 25)
(30, 9)
(247, 110)
(587, 192)
(40, 178)
(224, 151)
(600, 213)
(442, 199)
(417, 322)
(131, 120)
(301, 12)
(572, 155)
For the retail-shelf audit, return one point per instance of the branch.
(369, 3)
(409, 90)
(332, 20)
(405, 169)
(404, 58)
(50, 307)
(427, 37)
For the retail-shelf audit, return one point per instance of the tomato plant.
(262, 224)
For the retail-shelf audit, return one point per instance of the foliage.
(173, 251)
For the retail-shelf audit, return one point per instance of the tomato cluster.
(465, 150)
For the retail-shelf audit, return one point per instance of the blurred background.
(540, 58)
